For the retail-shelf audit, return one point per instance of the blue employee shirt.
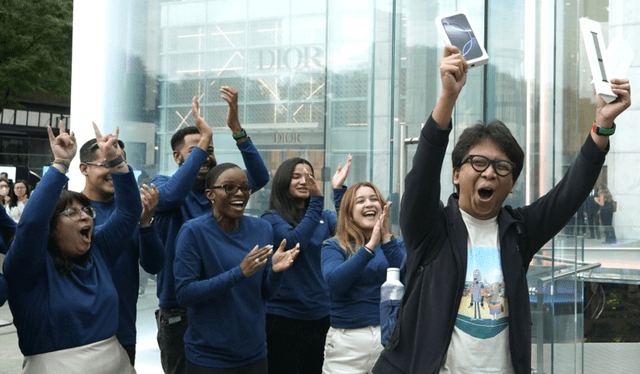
(179, 202)
(303, 294)
(354, 281)
(145, 247)
(226, 310)
(54, 311)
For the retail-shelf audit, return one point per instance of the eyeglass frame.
(91, 213)
(245, 188)
(99, 164)
(493, 163)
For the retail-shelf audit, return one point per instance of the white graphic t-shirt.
(480, 339)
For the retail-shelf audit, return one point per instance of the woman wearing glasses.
(224, 275)
(61, 295)
(19, 197)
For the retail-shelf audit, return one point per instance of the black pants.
(131, 351)
(172, 324)
(259, 367)
(295, 346)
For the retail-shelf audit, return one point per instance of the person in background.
(354, 264)
(144, 247)
(474, 249)
(19, 197)
(182, 198)
(607, 208)
(58, 268)
(224, 277)
(5, 196)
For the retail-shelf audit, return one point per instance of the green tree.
(35, 48)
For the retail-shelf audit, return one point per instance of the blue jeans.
(172, 324)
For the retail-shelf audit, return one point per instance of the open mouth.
(86, 232)
(369, 214)
(485, 193)
(237, 204)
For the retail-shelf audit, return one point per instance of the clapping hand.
(341, 173)
(150, 197)
(382, 230)
(283, 260)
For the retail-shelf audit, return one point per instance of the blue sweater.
(226, 310)
(144, 247)
(179, 202)
(303, 294)
(54, 311)
(354, 282)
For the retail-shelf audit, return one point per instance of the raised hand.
(64, 145)
(453, 70)
(314, 186)
(341, 173)
(206, 134)
(231, 97)
(108, 144)
(606, 113)
(150, 197)
(255, 259)
(283, 260)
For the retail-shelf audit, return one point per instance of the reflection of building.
(327, 78)
(24, 143)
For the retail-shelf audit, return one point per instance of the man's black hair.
(177, 140)
(89, 148)
(496, 131)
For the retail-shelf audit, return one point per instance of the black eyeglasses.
(102, 165)
(480, 163)
(231, 189)
(73, 212)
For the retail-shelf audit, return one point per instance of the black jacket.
(436, 243)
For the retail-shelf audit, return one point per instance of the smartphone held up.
(457, 31)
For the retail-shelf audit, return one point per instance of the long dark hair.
(65, 264)
(12, 193)
(281, 200)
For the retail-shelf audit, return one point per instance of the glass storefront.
(325, 79)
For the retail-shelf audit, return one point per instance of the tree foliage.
(35, 48)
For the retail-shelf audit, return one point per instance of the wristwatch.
(599, 130)
(142, 226)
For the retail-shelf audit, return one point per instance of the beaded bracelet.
(62, 162)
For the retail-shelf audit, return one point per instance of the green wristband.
(240, 135)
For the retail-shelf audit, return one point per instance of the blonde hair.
(349, 235)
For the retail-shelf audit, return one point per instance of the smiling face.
(298, 188)
(228, 208)
(98, 183)
(481, 194)
(366, 209)
(73, 235)
(189, 143)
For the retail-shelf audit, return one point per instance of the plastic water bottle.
(392, 289)
(391, 293)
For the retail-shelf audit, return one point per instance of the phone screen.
(461, 35)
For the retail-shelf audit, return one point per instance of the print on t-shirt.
(483, 311)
